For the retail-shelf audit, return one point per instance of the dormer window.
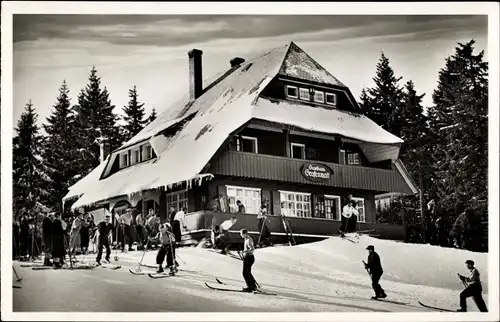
(319, 97)
(136, 158)
(291, 91)
(304, 94)
(124, 160)
(147, 152)
(331, 99)
(246, 144)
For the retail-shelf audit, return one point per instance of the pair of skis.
(232, 288)
(151, 274)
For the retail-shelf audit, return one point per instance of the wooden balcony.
(260, 166)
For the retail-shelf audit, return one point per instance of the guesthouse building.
(278, 129)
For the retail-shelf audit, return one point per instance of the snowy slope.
(329, 275)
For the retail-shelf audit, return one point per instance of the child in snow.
(473, 289)
(167, 241)
(248, 260)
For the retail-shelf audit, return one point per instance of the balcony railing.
(260, 166)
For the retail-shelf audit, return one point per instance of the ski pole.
(17, 276)
(366, 268)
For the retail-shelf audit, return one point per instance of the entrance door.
(332, 207)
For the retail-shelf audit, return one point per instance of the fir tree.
(59, 153)
(134, 115)
(28, 171)
(459, 128)
(382, 103)
(94, 119)
(152, 116)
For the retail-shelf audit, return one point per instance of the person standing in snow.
(473, 289)
(58, 241)
(125, 221)
(139, 229)
(224, 234)
(179, 220)
(171, 215)
(374, 267)
(347, 212)
(104, 230)
(167, 240)
(248, 261)
(74, 234)
(47, 239)
(152, 225)
(264, 232)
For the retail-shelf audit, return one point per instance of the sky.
(150, 51)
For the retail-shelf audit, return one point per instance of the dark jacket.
(47, 226)
(374, 264)
(104, 228)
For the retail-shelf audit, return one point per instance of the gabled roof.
(229, 104)
(299, 64)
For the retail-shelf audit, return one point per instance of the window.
(319, 97)
(135, 157)
(296, 204)
(298, 151)
(178, 200)
(291, 91)
(147, 152)
(331, 99)
(249, 197)
(353, 158)
(332, 207)
(304, 94)
(342, 157)
(360, 203)
(124, 160)
(246, 144)
(383, 203)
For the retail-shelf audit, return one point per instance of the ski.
(111, 267)
(257, 291)
(160, 275)
(389, 301)
(435, 308)
(224, 289)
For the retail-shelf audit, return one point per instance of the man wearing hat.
(473, 289)
(374, 267)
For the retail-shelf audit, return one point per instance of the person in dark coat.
(47, 239)
(15, 239)
(58, 244)
(24, 236)
(104, 229)
(171, 215)
(374, 267)
(84, 235)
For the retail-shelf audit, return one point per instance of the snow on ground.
(329, 275)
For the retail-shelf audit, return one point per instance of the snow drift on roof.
(298, 64)
(318, 119)
(83, 184)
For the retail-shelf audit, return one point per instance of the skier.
(104, 229)
(58, 247)
(473, 289)
(167, 241)
(179, 219)
(347, 213)
(248, 261)
(139, 229)
(374, 267)
(215, 237)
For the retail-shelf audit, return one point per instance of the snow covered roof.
(299, 64)
(229, 104)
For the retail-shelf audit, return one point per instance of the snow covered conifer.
(94, 119)
(134, 115)
(29, 174)
(459, 127)
(59, 152)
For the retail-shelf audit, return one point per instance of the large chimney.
(195, 74)
(236, 61)
(104, 148)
